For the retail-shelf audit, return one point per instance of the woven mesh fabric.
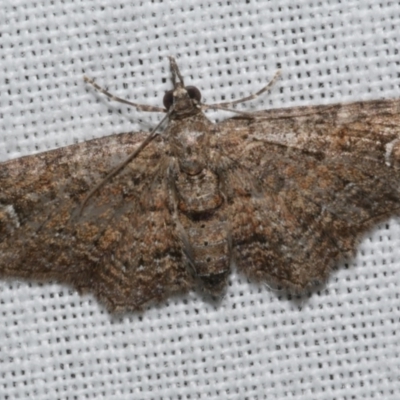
(339, 343)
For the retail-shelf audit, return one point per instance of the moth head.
(183, 98)
(182, 93)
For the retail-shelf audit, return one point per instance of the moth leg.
(227, 105)
(140, 107)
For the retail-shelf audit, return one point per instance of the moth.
(281, 194)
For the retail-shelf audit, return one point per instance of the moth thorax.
(198, 194)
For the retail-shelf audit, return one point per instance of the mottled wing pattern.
(122, 247)
(321, 177)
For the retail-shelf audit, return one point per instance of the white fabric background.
(338, 343)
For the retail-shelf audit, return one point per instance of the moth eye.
(168, 99)
(193, 93)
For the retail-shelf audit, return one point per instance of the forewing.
(321, 176)
(122, 246)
